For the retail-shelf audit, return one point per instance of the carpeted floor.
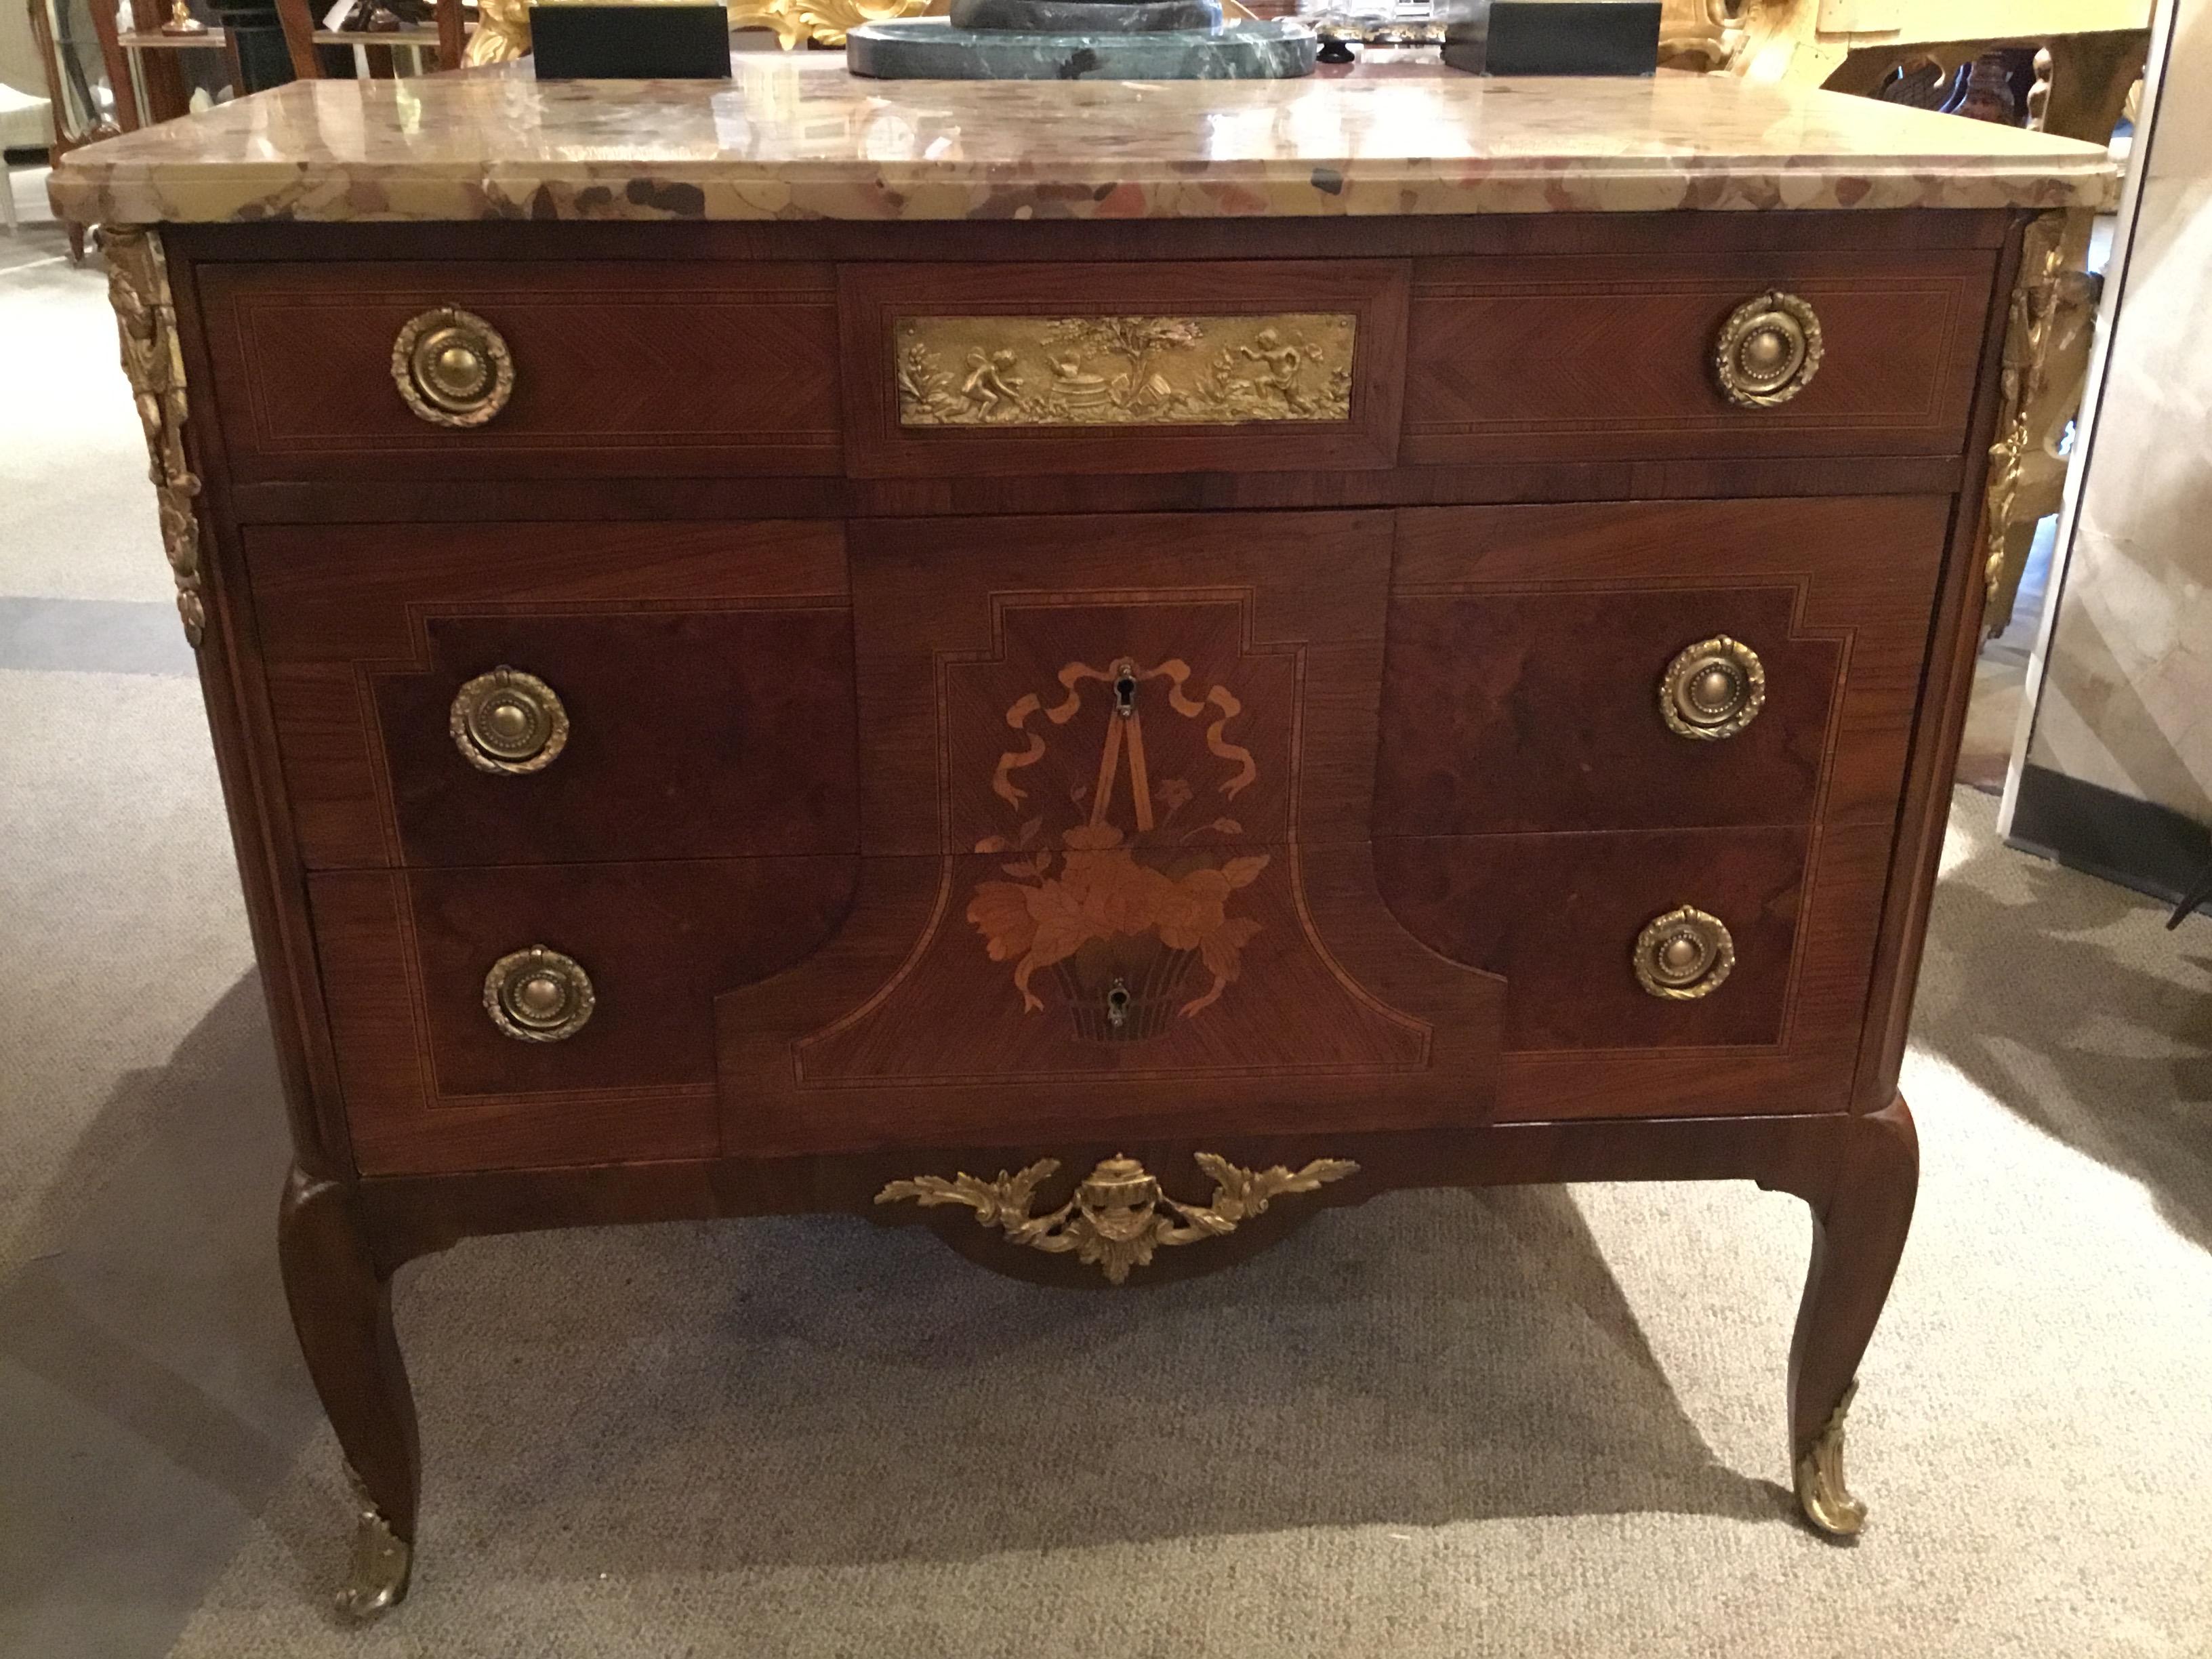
(1519, 1423)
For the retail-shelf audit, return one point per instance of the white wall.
(21, 66)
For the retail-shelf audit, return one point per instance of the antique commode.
(1100, 667)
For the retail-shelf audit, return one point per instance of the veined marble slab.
(797, 138)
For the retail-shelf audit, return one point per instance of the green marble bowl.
(925, 49)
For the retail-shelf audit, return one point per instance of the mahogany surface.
(799, 646)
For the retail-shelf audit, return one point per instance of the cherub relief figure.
(1283, 362)
(990, 383)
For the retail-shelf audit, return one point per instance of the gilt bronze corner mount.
(146, 319)
(1821, 1493)
(382, 1563)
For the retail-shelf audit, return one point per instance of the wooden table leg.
(1858, 1234)
(341, 1308)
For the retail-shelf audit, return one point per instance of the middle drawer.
(518, 694)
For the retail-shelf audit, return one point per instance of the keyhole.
(1125, 691)
(1117, 1005)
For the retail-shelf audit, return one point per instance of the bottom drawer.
(1760, 1013)
(617, 1066)
(1107, 990)
(590, 1013)
(596, 1013)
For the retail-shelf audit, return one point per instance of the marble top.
(796, 137)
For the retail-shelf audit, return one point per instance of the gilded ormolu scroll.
(382, 1562)
(2027, 330)
(1118, 1218)
(1123, 371)
(146, 316)
(1821, 1493)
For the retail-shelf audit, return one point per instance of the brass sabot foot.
(381, 1563)
(1827, 1503)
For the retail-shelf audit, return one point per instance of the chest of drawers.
(1102, 740)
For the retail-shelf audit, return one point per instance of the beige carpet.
(1520, 1423)
(1516, 1423)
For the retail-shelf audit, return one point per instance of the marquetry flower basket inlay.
(1097, 894)
(1120, 934)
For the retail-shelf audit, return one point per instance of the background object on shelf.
(2091, 51)
(89, 95)
(256, 33)
(1341, 24)
(501, 32)
(582, 40)
(1083, 40)
(80, 88)
(917, 49)
(1082, 16)
(373, 34)
(1553, 37)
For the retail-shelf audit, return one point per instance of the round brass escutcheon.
(1767, 351)
(508, 721)
(1712, 689)
(1684, 955)
(453, 367)
(539, 995)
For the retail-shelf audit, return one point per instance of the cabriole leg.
(1858, 1234)
(341, 1309)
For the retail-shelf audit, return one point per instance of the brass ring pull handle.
(453, 367)
(1768, 351)
(1684, 955)
(539, 995)
(1712, 689)
(508, 721)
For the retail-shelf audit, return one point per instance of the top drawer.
(1619, 357)
(617, 368)
(459, 369)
